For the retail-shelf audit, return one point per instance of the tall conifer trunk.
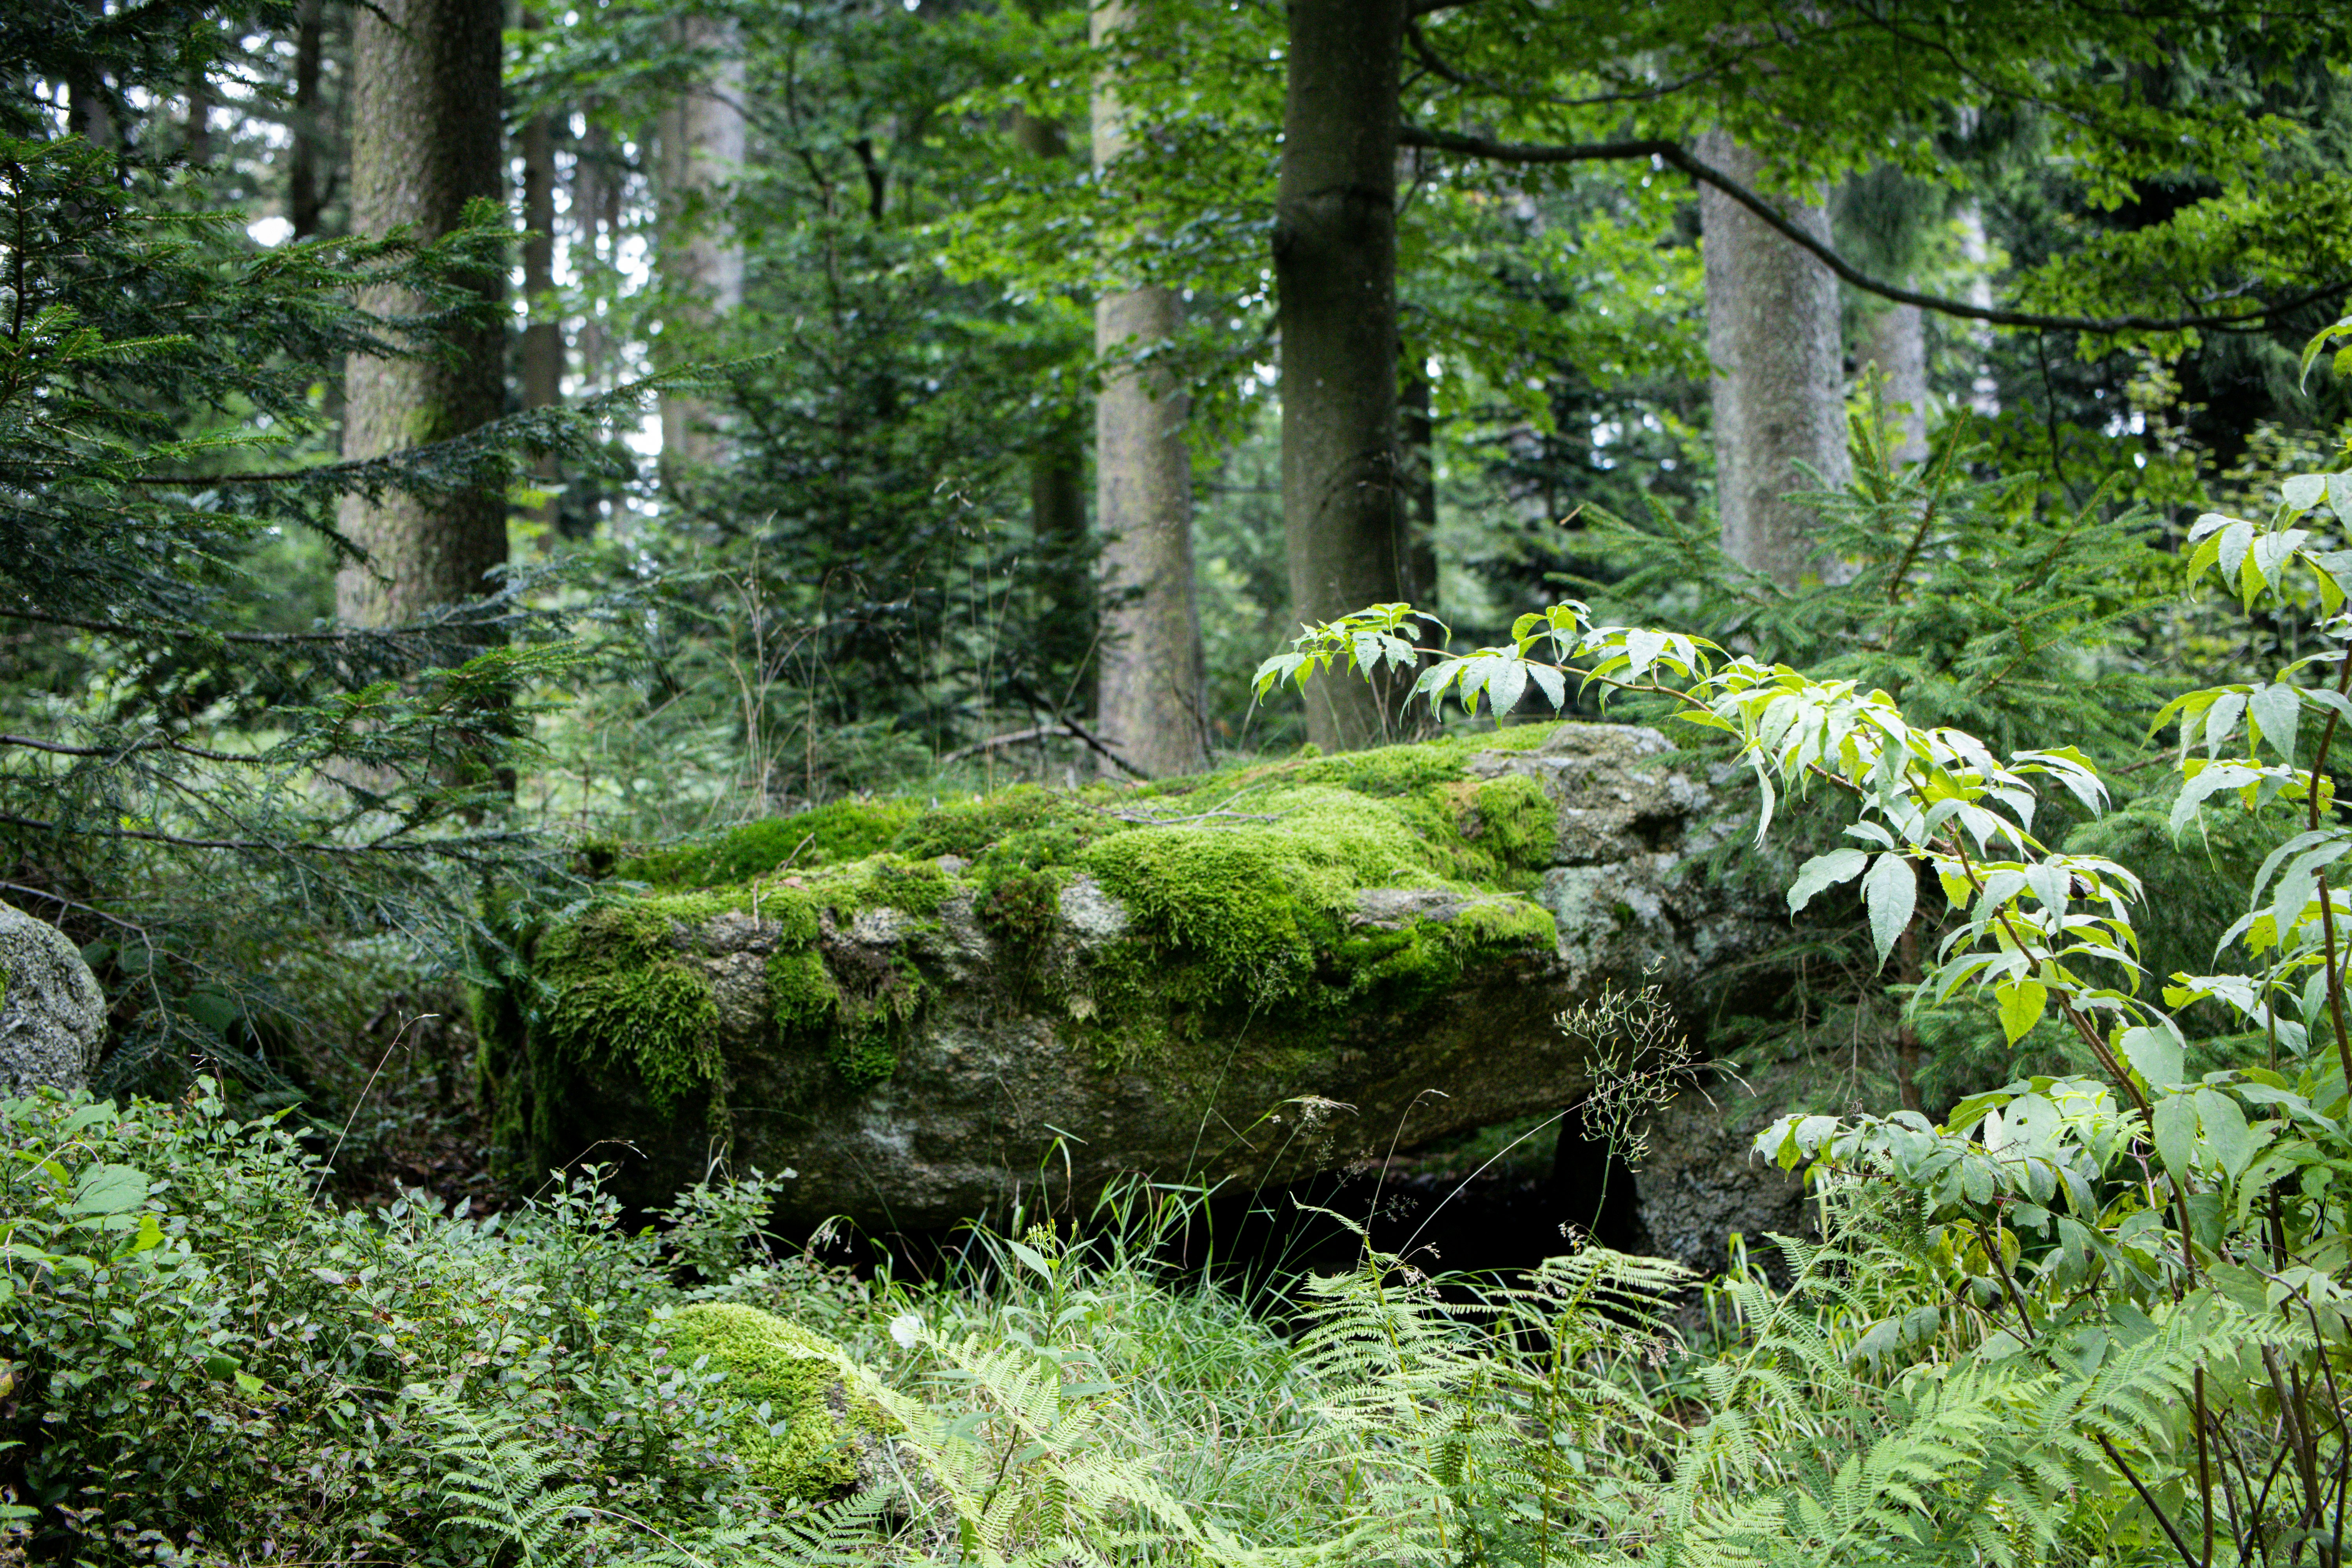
(1772, 331)
(1149, 693)
(426, 139)
(1335, 267)
(702, 138)
(305, 194)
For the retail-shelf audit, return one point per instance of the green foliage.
(195, 779)
(1963, 598)
(2144, 1251)
(205, 1359)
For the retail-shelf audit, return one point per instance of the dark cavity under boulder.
(1258, 974)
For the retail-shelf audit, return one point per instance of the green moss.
(620, 992)
(1240, 906)
(968, 827)
(791, 1436)
(1020, 878)
(1018, 902)
(831, 834)
(1517, 822)
(801, 993)
(838, 998)
(1247, 905)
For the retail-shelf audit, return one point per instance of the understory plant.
(2122, 1329)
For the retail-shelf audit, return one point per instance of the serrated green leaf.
(2223, 1123)
(1825, 871)
(2022, 1006)
(2153, 1054)
(2175, 1134)
(1890, 892)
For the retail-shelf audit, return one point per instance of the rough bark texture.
(1148, 694)
(595, 223)
(1335, 269)
(702, 142)
(426, 139)
(197, 144)
(1772, 331)
(1895, 344)
(1260, 994)
(88, 113)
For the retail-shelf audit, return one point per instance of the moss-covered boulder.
(801, 1430)
(920, 1011)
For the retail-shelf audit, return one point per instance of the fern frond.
(499, 1485)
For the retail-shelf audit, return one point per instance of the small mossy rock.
(1181, 980)
(52, 1011)
(802, 1432)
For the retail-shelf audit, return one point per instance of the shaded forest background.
(506, 437)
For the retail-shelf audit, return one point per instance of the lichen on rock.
(1106, 981)
(52, 1010)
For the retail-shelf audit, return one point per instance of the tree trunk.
(1335, 269)
(1984, 391)
(1152, 671)
(1895, 343)
(424, 142)
(304, 195)
(702, 142)
(1057, 502)
(543, 336)
(1772, 331)
(595, 227)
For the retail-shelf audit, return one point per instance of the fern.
(499, 1485)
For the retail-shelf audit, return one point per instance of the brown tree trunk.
(1894, 343)
(1149, 691)
(426, 139)
(542, 335)
(1335, 269)
(701, 138)
(304, 194)
(1772, 331)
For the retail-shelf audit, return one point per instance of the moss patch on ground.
(1241, 889)
(799, 1430)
